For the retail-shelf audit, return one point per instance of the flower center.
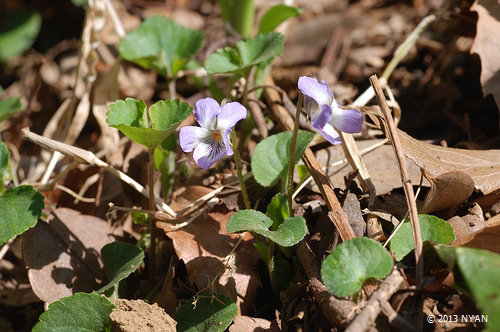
(217, 136)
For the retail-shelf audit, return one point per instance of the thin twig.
(237, 160)
(410, 197)
(365, 320)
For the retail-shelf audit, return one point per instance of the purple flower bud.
(324, 111)
(210, 141)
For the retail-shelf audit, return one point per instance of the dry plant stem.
(336, 215)
(338, 312)
(237, 161)
(365, 320)
(152, 226)
(293, 147)
(410, 197)
(86, 157)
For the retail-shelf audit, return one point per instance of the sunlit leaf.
(18, 31)
(21, 207)
(432, 229)
(480, 275)
(161, 44)
(206, 313)
(80, 312)
(352, 263)
(289, 233)
(247, 53)
(271, 156)
(130, 117)
(120, 260)
(275, 15)
(8, 107)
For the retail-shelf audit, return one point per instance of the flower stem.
(237, 160)
(244, 97)
(172, 88)
(152, 230)
(293, 146)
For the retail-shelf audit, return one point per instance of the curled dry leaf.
(63, 256)
(482, 166)
(465, 227)
(203, 246)
(447, 190)
(487, 45)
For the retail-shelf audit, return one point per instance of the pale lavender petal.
(320, 92)
(190, 136)
(330, 134)
(348, 121)
(205, 111)
(225, 137)
(320, 119)
(230, 114)
(206, 154)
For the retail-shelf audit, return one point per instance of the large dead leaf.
(447, 190)
(487, 45)
(203, 246)
(64, 255)
(483, 166)
(245, 323)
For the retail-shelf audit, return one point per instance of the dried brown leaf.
(447, 190)
(63, 255)
(203, 246)
(483, 166)
(485, 238)
(245, 323)
(487, 45)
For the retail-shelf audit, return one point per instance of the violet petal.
(348, 121)
(205, 111)
(190, 136)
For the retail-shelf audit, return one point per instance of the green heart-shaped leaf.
(210, 314)
(18, 31)
(161, 44)
(21, 207)
(130, 117)
(120, 259)
(8, 107)
(289, 233)
(278, 210)
(353, 262)
(432, 229)
(271, 156)
(276, 15)
(248, 53)
(480, 270)
(79, 312)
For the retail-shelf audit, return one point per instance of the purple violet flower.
(324, 111)
(210, 142)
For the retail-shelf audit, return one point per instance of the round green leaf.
(432, 229)
(9, 106)
(130, 117)
(353, 262)
(248, 53)
(212, 313)
(21, 207)
(271, 156)
(289, 233)
(276, 15)
(80, 312)
(18, 31)
(481, 273)
(161, 44)
(120, 260)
